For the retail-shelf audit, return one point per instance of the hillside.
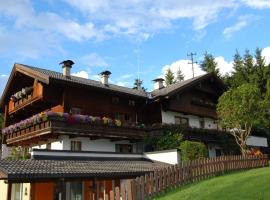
(247, 185)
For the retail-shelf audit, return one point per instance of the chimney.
(66, 65)
(158, 83)
(104, 77)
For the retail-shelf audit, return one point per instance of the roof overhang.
(26, 71)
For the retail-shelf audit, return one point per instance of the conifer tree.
(169, 77)
(209, 64)
(179, 75)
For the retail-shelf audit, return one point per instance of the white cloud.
(145, 17)
(184, 67)
(260, 4)
(93, 60)
(223, 65)
(82, 74)
(241, 23)
(266, 54)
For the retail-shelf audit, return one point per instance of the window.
(75, 111)
(202, 123)
(218, 152)
(76, 191)
(131, 103)
(48, 146)
(127, 117)
(115, 100)
(183, 121)
(76, 146)
(124, 148)
(17, 191)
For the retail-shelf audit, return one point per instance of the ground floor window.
(75, 191)
(124, 148)
(17, 191)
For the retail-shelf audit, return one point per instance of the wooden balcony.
(29, 99)
(53, 128)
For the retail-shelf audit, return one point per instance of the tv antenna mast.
(192, 62)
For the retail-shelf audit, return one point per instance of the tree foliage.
(169, 77)
(138, 84)
(209, 64)
(238, 110)
(170, 140)
(191, 150)
(179, 75)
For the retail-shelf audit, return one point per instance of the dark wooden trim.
(9, 191)
(76, 130)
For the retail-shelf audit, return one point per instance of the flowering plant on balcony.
(117, 122)
(68, 118)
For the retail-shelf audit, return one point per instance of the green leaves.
(169, 77)
(191, 150)
(209, 64)
(239, 106)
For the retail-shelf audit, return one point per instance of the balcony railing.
(51, 124)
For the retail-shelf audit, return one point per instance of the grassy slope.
(247, 185)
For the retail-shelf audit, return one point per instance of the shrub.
(169, 140)
(193, 150)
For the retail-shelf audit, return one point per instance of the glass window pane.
(76, 191)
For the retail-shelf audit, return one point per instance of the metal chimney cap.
(67, 63)
(158, 79)
(107, 73)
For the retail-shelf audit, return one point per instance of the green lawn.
(246, 185)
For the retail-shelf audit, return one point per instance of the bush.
(193, 150)
(169, 141)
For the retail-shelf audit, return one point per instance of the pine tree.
(169, 77)
(179, 75)
(138, 84)
(209, 64)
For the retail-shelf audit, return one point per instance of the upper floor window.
(74, 110)
(124, 148)
(131, 102)
(183, 121)
(75, 145)
(115, 100)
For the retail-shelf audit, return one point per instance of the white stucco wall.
(257, 141)
(167, 156)
(168, 117)
(106, 145)
(3, 190)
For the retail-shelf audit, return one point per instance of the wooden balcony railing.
(53, 128)
(35, 95)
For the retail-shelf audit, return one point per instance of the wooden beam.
(9, 191)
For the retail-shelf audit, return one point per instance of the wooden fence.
(153, 184)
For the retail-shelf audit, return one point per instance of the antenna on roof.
(138, 60)
(192, 61)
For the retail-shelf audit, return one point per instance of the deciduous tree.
(238, 110)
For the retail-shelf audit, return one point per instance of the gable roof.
(177, 87)
(48, 76)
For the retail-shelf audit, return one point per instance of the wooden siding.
(35, 95)
(97, 103)
(184, 103)
(42, 191)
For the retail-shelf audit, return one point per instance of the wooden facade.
(198, 98)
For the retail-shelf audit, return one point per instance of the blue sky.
(130, 38)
